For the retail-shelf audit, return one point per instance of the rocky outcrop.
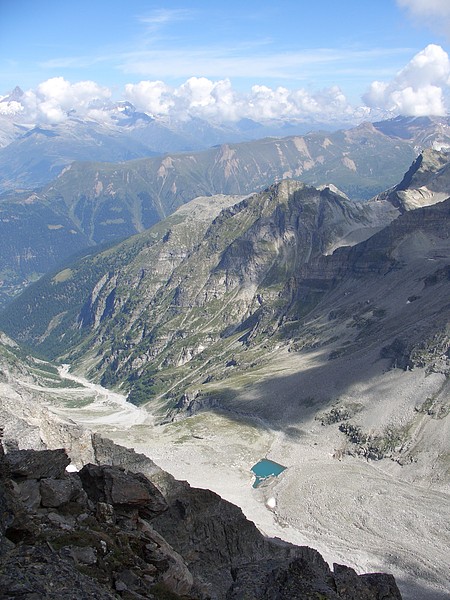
(107, 532)
(426, 182)
(118, 488)
(82, 535)
(415, 246)
(37, 465)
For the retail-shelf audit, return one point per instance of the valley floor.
(351, 510)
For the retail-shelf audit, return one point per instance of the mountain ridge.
(260, 332)
(93, 203)
(255, 230)
(249, 273)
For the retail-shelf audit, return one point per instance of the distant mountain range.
(100, 200)
(33, 152)
(92, 203)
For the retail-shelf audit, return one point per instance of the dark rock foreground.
(106, 532)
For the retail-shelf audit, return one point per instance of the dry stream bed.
(353, 511)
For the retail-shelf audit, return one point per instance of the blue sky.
(308, 46)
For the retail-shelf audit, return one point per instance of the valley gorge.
(291, 323)
(102, 530)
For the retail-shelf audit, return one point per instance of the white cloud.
(427, 8)
(218, 101)
(418, 89)
(10, 108)
(153, 97)
(197, 97)
(55, 98)
(215, 100)
(434, 13)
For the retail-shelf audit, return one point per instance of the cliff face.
(426, 182)
(411, 253)
(149, 307)
(106, 532)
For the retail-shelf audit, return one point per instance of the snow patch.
(271, 503)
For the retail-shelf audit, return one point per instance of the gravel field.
(372, 515)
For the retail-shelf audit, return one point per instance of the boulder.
(117, 487)
(35, 464)
(373, 586)
(84, 556)
(55, 492)
(29, 493)
(60, 521)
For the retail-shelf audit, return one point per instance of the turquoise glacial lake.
(266, 468)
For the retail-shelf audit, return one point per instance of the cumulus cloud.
(218, 101)
(10, 108)
(213, 100)
(154, 97)
(54, 99)
(421, 88)
(418, 89)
